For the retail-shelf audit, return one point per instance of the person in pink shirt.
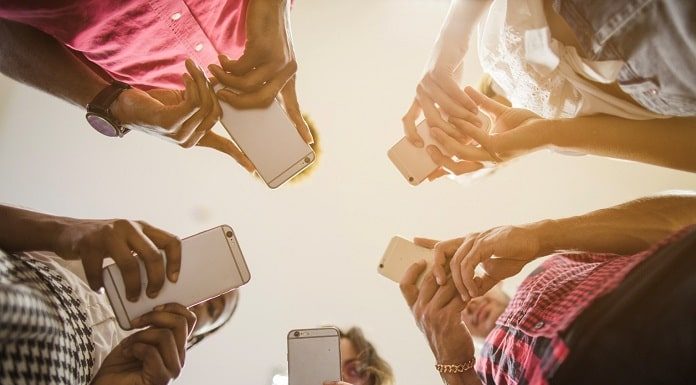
(123, 62)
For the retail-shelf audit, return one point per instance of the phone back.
(414, 163)
(314, 356)
(211, 264)
(400, 255)
(270, 140)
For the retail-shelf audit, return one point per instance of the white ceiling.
(313, 247)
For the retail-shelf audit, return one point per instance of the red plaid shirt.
(526, 345)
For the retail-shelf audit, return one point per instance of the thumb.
(487, 104)
(292, 107)
(222, 144)
(239, 67)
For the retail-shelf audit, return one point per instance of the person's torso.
(142, 43)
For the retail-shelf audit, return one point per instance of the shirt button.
(176, 16)
(539, 325)
(653, 91)
(198, 47)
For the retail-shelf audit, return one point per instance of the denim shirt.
(655, 39)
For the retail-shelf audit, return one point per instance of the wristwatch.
(99, 111)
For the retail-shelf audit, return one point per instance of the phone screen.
(314, 356)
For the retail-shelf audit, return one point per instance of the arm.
(40, 61)
(91, 241)
(662, 142)
(440, 83)
(623, 229)
(516, 131)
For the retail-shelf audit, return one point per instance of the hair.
(196, 339)
(379, 372)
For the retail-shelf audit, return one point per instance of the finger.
(427, 290)
(500, 268)
(451, 146)
(409, 122)
(478, 134)
(190, 91)
(264, 96)
(449, 164)
(292, 107)
(408, 282)
(425, 242)
(456, 269)
(480, 250)
(440, 172)
(128, 265)
(246, 63)
(152, 362)
(452, 89)
(222, 144)
(170, 243)
(207, 123)
(450, 106)
(166, 346)
(433, 116)
(444, 295)
(443, 251)
(151, 257)
(487, 104)
(484, 283)
(249, 81)
(172, 318)
(92, 264)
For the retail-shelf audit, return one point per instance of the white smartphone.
(270, 140)
(314, 356)
(414, 163)
(400, 255)
(211, 264)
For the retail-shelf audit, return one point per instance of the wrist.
(548, 233)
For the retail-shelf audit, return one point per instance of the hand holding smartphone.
(269, 139)
(400, 255)
(314, 356)
(414, 163)
(211, 264)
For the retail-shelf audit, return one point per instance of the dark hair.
(379, 372)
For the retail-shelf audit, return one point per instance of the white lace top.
(539, 73)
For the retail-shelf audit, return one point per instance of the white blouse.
(541, 74)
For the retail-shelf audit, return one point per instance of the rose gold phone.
(400, 255)
(314, 356)
(211, 264)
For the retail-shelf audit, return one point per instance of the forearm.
(39, 60)
(453, 41)
(467, 378)
(624, 229)
(24, 230)
(662, 142)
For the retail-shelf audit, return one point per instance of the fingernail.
(430, 150)
(159, 307)
(174, 276)
(133, 298)
(152, 293)
(136, 321)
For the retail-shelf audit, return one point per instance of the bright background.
(312, 247)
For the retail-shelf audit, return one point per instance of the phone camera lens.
(229, 234)
(410, 179)
(381, 265)
(296, 334)
(307, 160)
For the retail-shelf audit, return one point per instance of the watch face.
(102, 125)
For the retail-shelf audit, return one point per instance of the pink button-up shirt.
(140, 42)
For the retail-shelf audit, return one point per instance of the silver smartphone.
(212, 263)
(270, 140)
(314, 356)
(400, 255)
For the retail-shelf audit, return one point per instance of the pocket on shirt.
(648, 93)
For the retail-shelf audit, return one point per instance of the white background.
(313, 247)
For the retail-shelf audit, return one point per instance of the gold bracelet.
(456, 368)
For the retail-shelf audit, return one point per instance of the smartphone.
(314, 356)
(211, 264)
(414, 163)
(400, 255)
(270, 140)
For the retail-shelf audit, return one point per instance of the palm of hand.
(118, 369)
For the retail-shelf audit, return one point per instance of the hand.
(514, 133)
(501, 252)
(436, 310)
(267, 66)
(125, 242)
(153, 356)
(183, 117)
